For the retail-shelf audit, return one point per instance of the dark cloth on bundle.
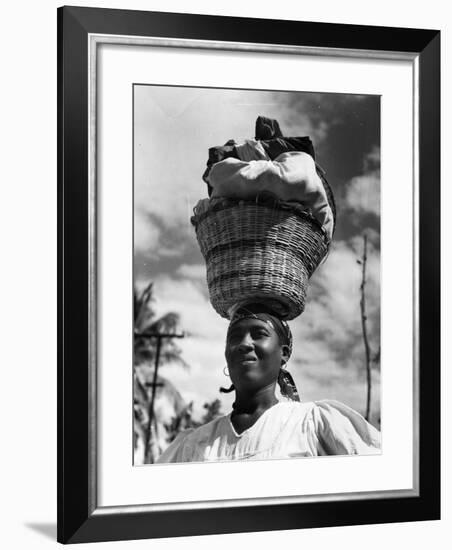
(271, 139)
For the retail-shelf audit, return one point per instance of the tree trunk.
(364, 328)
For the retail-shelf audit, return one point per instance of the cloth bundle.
(283, 166)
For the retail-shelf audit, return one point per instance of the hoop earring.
(287, 385)
(226, 371)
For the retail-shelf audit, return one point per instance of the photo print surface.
(184, 349)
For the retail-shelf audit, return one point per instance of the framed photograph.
(210, 380)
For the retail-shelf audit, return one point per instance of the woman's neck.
(254, 402)
(250, 406)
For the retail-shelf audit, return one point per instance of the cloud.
(300, 117)
(341, 385)
(155, 238)
(197, 275)
(319, 114)
(146, 235)
(372, 159)
(328, 335)
(363, 191)
(195, 272)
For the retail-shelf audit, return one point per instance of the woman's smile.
(247, 360)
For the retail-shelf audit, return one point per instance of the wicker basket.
(258, 251)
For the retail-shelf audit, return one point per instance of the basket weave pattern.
(255, 252)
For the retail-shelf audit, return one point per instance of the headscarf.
(262, 312)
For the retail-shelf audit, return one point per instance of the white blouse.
(288, 429)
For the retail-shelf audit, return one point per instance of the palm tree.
(149, 430)
(145, 321)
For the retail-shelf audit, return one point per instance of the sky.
(173, 130)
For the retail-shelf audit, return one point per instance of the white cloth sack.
(291, 176)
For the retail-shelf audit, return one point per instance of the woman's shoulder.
(204, 431)
(332, 410)
(188, 441)
(343, 429)
(291, 411)
(324, 407)
(294, 407)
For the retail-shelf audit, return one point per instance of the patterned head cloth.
(282, 329)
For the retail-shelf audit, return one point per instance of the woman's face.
(254, 354)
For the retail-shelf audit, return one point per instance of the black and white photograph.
(256, 274)
(248, 274)
(225, 285)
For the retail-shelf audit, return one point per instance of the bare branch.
(363, 263)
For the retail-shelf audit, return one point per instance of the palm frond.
(143, 310)
(167, 323)
(175, 357)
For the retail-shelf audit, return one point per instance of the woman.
(258, 345)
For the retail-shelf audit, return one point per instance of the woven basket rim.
(283, 206)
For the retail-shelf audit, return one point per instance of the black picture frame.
(79, 518)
